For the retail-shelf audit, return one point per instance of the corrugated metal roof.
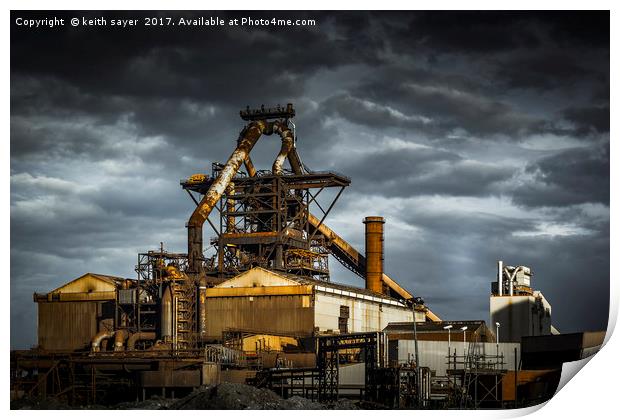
(112, 280)
(434, 326)
(303, 280)
(339, 286)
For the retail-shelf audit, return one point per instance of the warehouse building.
(283, 304)
(70, 315)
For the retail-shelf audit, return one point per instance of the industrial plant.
(263, 310)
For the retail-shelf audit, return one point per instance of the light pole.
(416, 301)
(448, 327)
(464, 354)
(497, 324)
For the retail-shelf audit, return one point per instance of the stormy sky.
(478, 136)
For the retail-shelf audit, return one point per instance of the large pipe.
(99, 337)
(374, 253)
(287, 146)
(249, 137)
(119, 339)
(141, 336)
(249, 166)
(295, 161)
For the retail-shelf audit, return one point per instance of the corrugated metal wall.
(364, 316)
(286, 315)
(67, 325)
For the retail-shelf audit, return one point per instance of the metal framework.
(138, 308)
(264, 221)
(477, 378)
(330, 349)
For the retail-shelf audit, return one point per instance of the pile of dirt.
(228, 396)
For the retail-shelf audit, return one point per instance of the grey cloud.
(431, 108)
(421, 171)
(579, 175)
(589, 119)
(414, 107)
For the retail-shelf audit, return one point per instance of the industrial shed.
(277, 303)
(69, 316)
(475, 331)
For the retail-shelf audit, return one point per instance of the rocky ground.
(226, 396)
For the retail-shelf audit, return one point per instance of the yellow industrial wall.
(67, 325)
(284, 314)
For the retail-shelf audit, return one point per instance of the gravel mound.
(228, 396)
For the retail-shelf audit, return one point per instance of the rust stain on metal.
(374, 253)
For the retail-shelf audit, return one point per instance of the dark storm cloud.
(470, 32)
(189, 62)
(589, 119)
(545, 71)
(419, 171)
(431, 104)
(454, 125)
(575, 176)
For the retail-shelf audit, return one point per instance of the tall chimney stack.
(374, 253)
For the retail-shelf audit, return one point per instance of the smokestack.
(374, 253)
(500, 276)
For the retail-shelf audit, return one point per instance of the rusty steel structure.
(374, 253)
(271, 219)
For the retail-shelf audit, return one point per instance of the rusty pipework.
(249, 166)
(99, 337)
(119, 339)
(141, 336)
(249, 137)
(295, 161)
(374, 253)
(287, 146)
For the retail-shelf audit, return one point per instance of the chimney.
(374, 253)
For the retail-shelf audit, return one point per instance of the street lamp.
(416, 301)
(464, 354)
(448, 327)
(497, 324)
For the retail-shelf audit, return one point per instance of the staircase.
(185, 297)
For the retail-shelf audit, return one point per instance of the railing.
(216, 353)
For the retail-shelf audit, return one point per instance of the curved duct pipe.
(119, 339)
(287, 146)
(511, 278)
(99, 337)
(141, 336)
(295, 161)
(249, 138)
(249, 166)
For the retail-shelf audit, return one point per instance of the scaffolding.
(476, 377)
